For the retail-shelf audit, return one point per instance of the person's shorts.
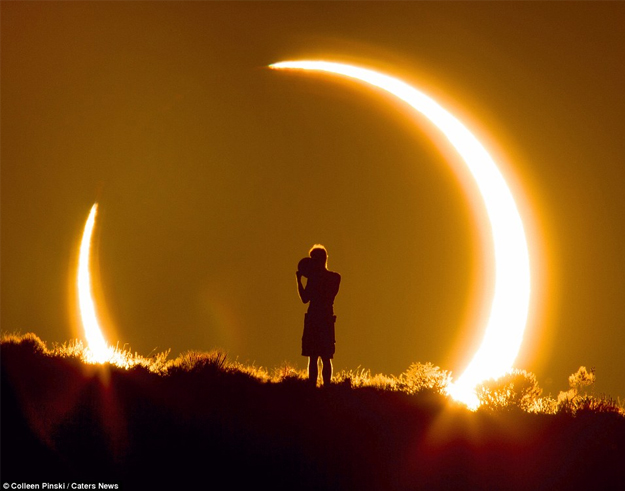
(318, 338)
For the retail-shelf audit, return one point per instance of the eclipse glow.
(98, 348)
(509, 309)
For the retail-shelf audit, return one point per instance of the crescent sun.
(510, 302)
(99, 351)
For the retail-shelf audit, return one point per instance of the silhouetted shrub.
(361, 377)
(582, 378)
(423, 376)
(517, 389)
(198, 361)
(287, 373)
(572, 402)
(28, 342)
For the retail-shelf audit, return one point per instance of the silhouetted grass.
(201, 419)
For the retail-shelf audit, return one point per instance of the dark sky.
(215, 175)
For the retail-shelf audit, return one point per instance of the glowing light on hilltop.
(509, 309)
(99, 351)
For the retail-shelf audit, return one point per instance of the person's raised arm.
(300, 288)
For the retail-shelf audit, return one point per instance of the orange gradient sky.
(214, 175)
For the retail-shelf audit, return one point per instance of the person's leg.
(326, 371)
(313, 370)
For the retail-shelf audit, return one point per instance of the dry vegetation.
(517, 390)
(138, 419)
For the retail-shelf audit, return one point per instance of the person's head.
(319, 256)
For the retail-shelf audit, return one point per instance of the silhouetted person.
(321, 288)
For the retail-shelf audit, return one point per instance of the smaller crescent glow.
(509, 309)
(99, 350)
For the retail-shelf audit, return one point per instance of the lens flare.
(509, 309)
(99, 351)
